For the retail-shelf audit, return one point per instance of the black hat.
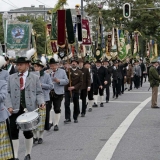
(87, 62)
(52, 61)
(115, 62)
(105, 60)
(74, 59)
(98, 61)
(38, 62)
(22, 60)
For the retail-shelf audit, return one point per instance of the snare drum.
(28, 121)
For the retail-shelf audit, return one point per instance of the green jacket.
(154, 78)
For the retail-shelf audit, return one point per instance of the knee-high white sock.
(15, 147)
(101, 99)
(35, 133)
(29, 144)
(41, 134)
(51, 116)
(90, 103)
(56, 118)
(95, 98)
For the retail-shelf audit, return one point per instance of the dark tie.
(21, 81)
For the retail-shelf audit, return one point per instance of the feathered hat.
(26, 59)
(2, 61)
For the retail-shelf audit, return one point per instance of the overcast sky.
(27, 3)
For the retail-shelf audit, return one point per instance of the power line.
(12, 3)
(44, 4)
(9, 4)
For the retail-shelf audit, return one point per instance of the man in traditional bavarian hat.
(24, 94)
(72, 90)
(59, 80)
(137, 73)
(103, 77)
(86, 86)
(154, 80)
(47, 85)
(4, 75)
(6, 147)
(109, 71)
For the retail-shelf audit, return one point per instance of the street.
(101, 135)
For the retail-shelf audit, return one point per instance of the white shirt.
(25, 74)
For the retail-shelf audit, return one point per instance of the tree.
(147, 21)
(39, 27)
(1, 30)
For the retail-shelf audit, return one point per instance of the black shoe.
(56, 128)
(90, 110)
(122, 92)
(113, 96)
(67, 121)
(156, 107)
(125, 88)
(107, 101)
(35, 140)
(82, 115)
(27, 157)
(95, 105)
(50, 125)
(75, 121)
(101, 105)
(40, 141)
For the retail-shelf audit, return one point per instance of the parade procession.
(66, 81)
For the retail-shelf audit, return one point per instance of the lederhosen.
(13, 117)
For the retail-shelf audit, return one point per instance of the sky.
(27, 3)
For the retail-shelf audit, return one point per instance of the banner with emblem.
(122, 48)
(53, 28)
(86, 37)
(19, 35)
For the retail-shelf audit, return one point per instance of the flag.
(122, 49)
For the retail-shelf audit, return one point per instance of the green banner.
(54, 27)
(122, 49)
(18, 36)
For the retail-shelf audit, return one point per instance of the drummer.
(24, 94)
(46, 84)
(6, 147)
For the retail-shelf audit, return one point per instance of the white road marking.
(125, 101)
(109, 148)
(115, 101)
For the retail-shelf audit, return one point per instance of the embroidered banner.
(86, 38)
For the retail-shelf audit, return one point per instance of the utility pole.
(82, 8)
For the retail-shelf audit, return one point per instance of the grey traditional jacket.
(137, 70)
(33, 92)
(47, 85)
(62, 76)
(4, 114)
(4, 75)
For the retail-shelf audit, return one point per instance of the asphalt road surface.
(124, 129)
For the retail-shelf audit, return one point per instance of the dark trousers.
(116, 87)
(76, 110)
(15, 129)
(132, 79)
(83, 96)
(142, 79)
(107, 92)
(48, 108)
(122, 85)
(137, 81)
(56, 100)
(100, 91)
(90, 93)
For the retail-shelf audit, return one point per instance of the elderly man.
(24, 94)
(154, 80)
